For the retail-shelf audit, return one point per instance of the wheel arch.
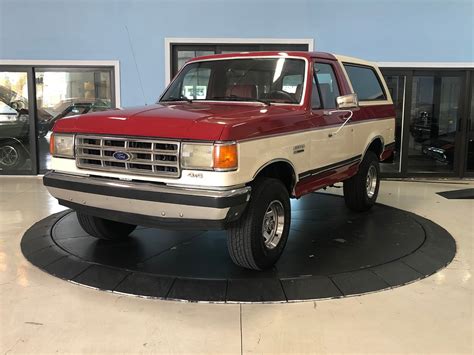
(376, 145)
(281, 169)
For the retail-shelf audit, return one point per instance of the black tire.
(357, 195)
(104, 228)
(246, 242)
(12, 156)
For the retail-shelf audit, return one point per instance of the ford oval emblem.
(122, 156)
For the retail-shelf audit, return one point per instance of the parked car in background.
(14, 129)
(70, 107)
(442, 149)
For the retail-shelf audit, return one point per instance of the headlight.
(196, 156)
(220, 157)
(62, 145)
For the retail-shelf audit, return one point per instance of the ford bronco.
(230, 141)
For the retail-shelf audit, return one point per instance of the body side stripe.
(329, 167)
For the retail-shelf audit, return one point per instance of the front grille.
(128, 155)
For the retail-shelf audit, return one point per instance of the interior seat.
(329, 99)
(299, 92)
(244, 90)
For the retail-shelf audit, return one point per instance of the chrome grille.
(142, 156)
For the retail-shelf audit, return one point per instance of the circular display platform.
(331, 252)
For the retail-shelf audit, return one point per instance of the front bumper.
(148, 204)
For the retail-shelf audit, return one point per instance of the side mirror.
(347, 101)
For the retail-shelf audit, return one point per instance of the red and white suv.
(230, 141)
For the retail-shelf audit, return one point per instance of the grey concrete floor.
(42, 314)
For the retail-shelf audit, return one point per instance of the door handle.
(332, 134)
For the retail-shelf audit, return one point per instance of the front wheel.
(361, 190)
(102, 228)
(258, 238)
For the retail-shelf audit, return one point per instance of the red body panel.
(210, 121)
(224, 121)
(327, 178)
(234, 121)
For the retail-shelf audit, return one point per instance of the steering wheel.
(282, 95)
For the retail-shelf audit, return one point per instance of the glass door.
(16, 122)
(434, 123)
(396, 83)
(63, 92)
(469, 161)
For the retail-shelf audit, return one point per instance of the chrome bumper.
(148, 204)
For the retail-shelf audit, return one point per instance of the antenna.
(136, 65)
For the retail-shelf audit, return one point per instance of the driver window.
(315, 99)
(327, 83)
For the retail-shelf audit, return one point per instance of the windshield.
(279, 80)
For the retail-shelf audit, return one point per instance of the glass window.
(14, 122)
(315, 99)
(434, 115)
(292, 83)
(195, 83)
(181, 53)
(67, 92)
(365, 83)
(470, 137)
(327, 83)
(396, 86)
(269, 79)
(184, 56)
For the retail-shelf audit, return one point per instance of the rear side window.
(365, 83)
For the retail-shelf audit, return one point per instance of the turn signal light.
(225, 157)
(51, 144)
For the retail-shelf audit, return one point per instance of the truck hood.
(197, 120)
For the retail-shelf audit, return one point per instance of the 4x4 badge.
(298, 148)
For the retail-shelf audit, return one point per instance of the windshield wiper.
(240, 98)
(180, 98)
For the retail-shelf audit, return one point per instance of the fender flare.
(279, 160)
(372, 141)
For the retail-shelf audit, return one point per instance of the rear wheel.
(104, 228)
(258, 238)
(361, 190)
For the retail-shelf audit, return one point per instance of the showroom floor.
(40, 313)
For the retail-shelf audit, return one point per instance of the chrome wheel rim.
(273, 224)
(8, 155)
(371, 182)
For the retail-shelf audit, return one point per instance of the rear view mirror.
(347, 101)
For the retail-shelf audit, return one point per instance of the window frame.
(237, 56)
(338, 84)
(377, 76)
(31, 67)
